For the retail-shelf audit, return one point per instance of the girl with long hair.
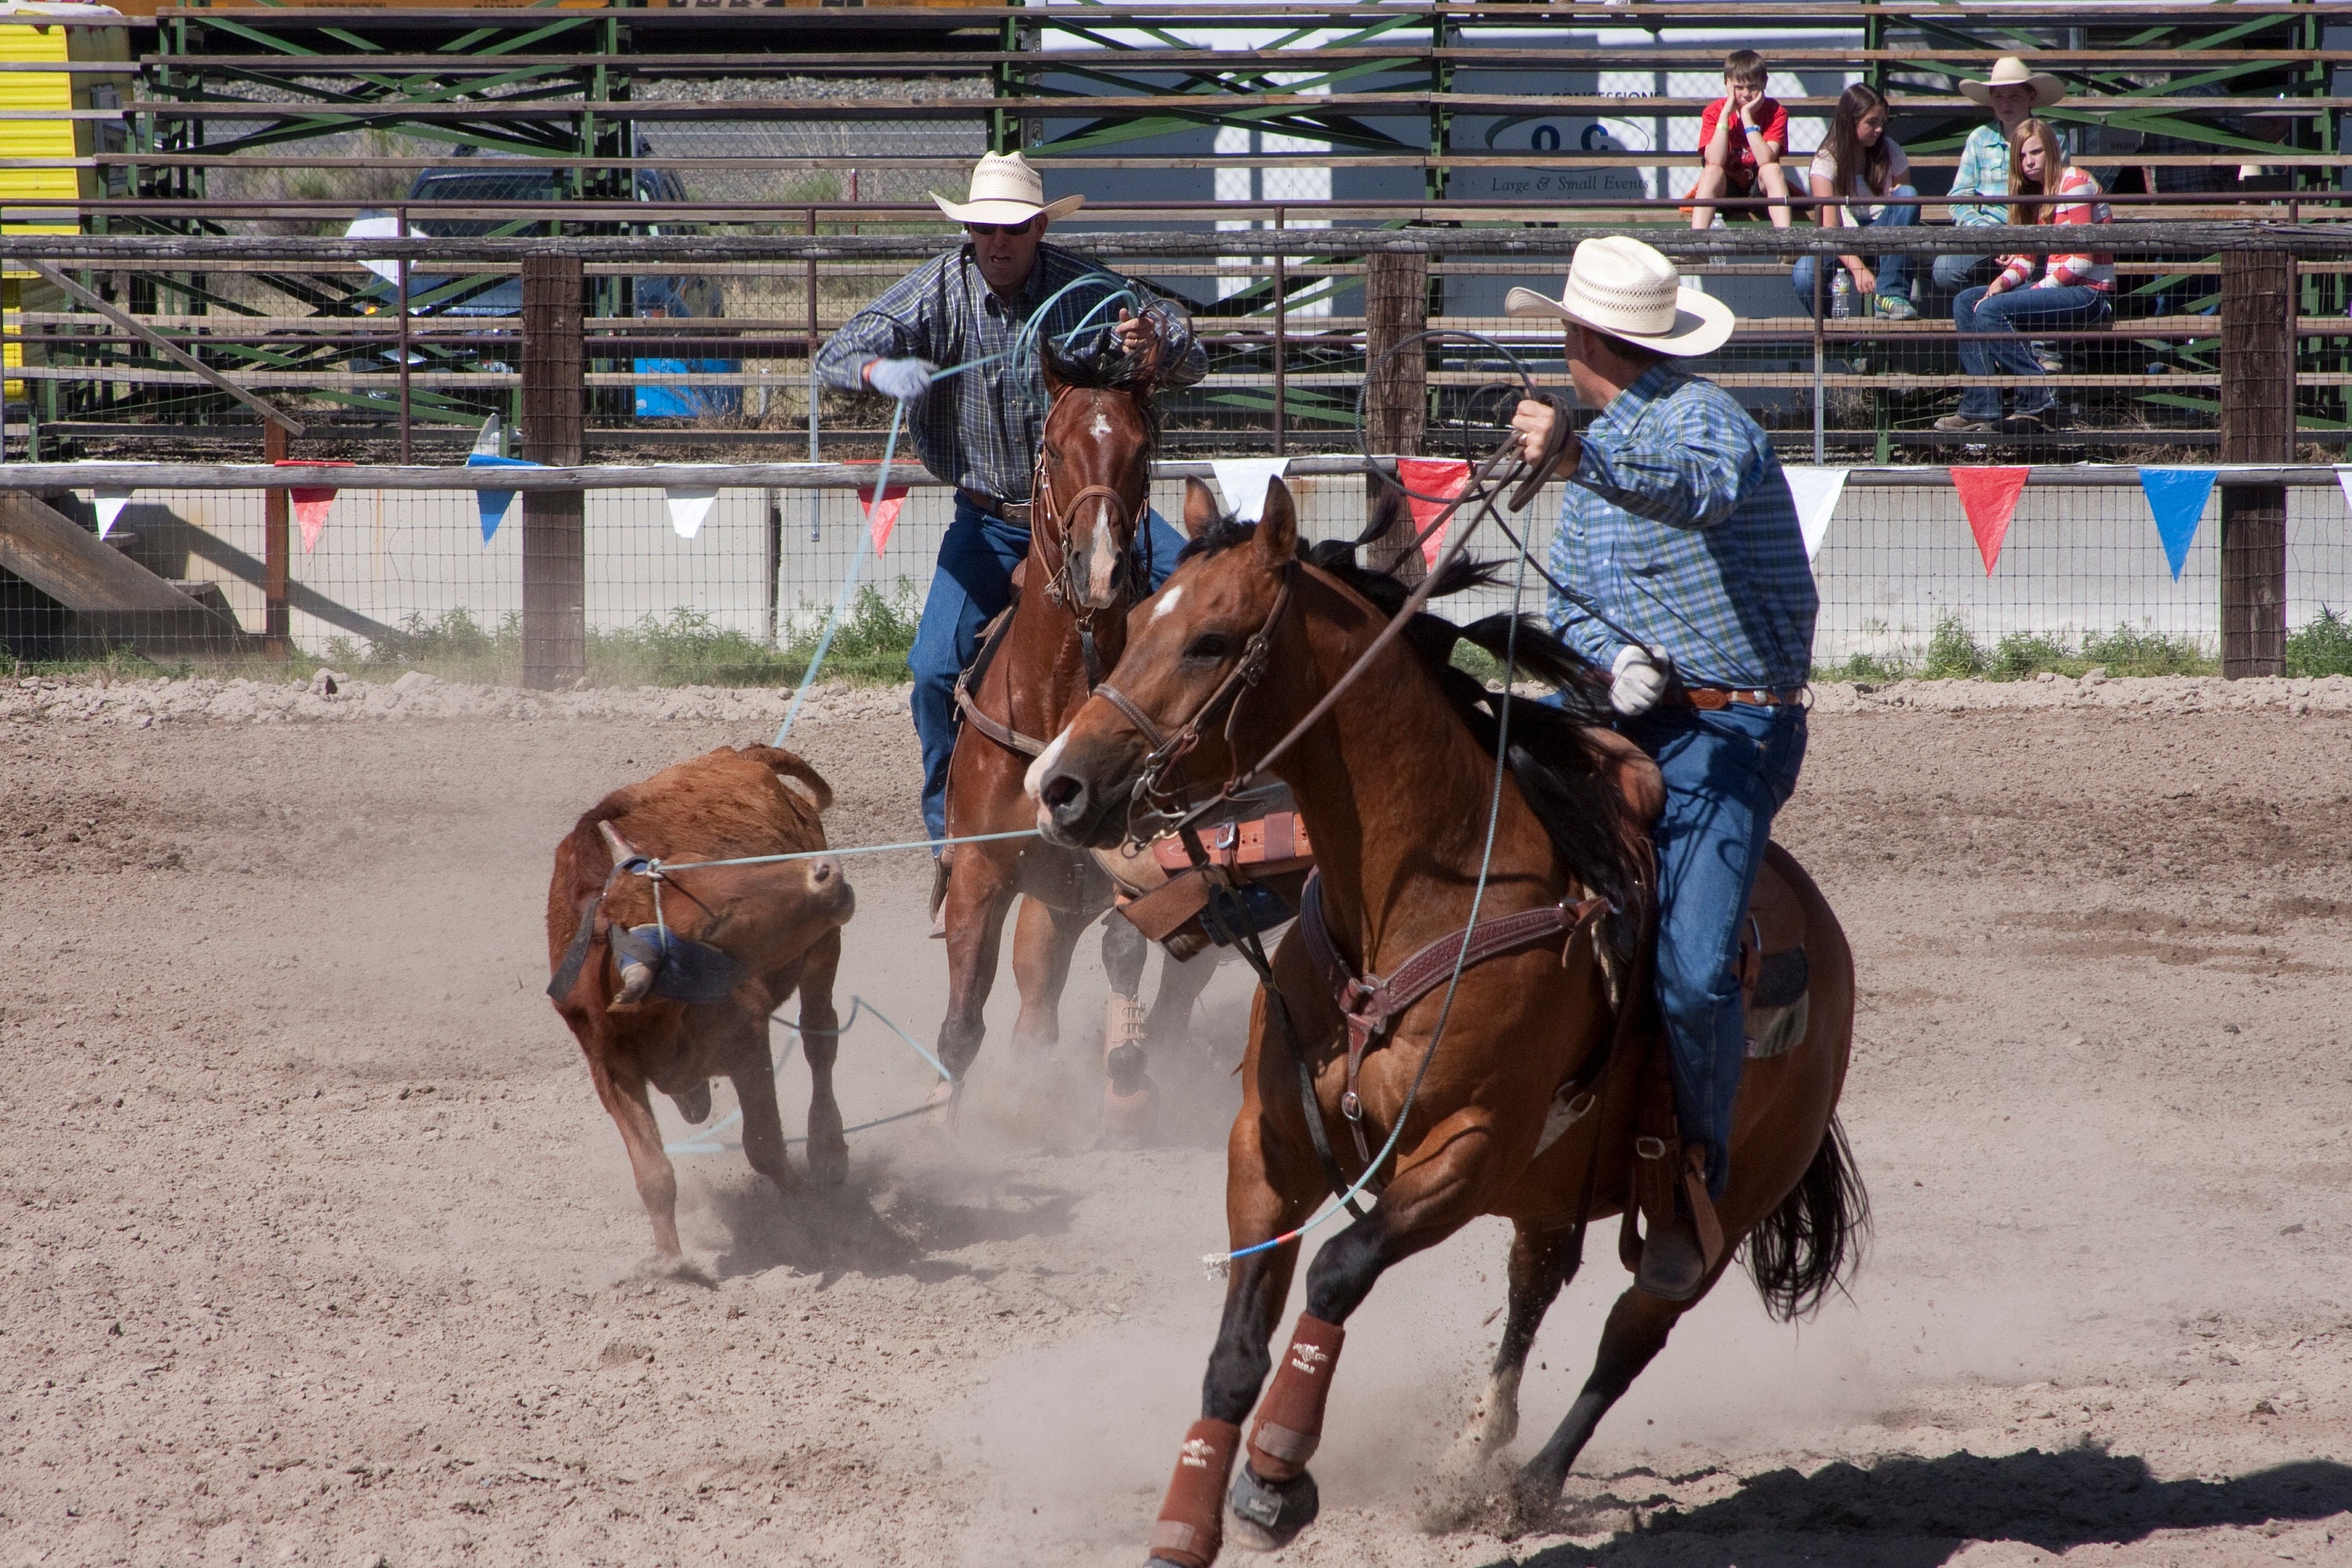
(2075, 289)
(1857, 168)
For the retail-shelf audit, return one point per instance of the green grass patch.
(1953, 653)
(2322, 647)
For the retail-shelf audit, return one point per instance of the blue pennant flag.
(2177, 498)
(494, 504)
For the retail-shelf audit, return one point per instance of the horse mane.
(1558, 771)
(1135, 372)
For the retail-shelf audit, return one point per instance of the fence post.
(554, 533)
(1396, 393)
(2257, 427)
(276, 552)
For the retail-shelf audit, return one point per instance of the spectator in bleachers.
(2076, 289)
(2011, 92)
(1860, 162)
(1741, 136)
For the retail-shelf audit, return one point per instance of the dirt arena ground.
(315, 1246)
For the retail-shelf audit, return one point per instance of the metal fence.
(404, 576)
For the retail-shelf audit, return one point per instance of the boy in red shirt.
(1741, 136)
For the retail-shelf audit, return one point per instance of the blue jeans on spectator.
(1727, 774)
(1954, 273)
(974, 581)
(1893, 271)
(2019, 310)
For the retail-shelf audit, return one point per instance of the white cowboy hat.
(1629, 290)
(2010, 71)
(1005, 189)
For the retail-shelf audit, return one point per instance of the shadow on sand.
(879, 1223)
(1906, 1512)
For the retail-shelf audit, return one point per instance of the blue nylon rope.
(707, 1140)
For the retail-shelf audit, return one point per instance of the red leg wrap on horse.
(1290, 1420)
(1192, 1523)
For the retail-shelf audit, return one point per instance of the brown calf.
(752, 935)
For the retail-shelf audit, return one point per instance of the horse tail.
(1811, 1243)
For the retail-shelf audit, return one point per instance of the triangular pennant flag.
(489, 443)
(1989, 495)
(1815, 491)
(1242, 482)
(2177, 498)
(493, 504)
(312, 504)
(109, 501)
(2344, 478)
(1442, 477)
(688, 505)
(883, 516)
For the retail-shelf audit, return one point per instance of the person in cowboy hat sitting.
(979, 429)
(2011, 92)
(1679, 532)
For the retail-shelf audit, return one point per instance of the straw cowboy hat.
(2010, 71)
(1627, 289)
(1005, 189)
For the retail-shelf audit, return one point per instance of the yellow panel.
(37, 137)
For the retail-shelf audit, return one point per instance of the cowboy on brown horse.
(1694, 591)
(981, 429)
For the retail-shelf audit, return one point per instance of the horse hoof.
(1127, 1117)
(1269, 1515)
(694, 1103)
(828, 1159)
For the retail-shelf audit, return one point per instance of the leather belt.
(1714, 698)
(1014, 512)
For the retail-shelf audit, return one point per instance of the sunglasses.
(990, 230)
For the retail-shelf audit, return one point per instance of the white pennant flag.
(2344, 478)
(1815, 491)
(688, 505)
(109, 502)
(1244, 480)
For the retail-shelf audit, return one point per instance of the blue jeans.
(1727, 774)
(1893, 271)
(974, 581)
(1954, 273)
(2019, 309)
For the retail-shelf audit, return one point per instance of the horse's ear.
(1053, 384)
(1278, 524)
(1200, 508)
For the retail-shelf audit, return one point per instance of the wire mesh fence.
(403, 577)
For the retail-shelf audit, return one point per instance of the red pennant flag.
(312, 502)
(882, 518)
(1442, 477)
(1989, 495)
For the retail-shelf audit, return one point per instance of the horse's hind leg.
(828, 1150)
(1539, 1266)
(1181, 984)
(1637, 1329)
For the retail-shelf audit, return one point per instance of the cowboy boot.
(1686, 1239)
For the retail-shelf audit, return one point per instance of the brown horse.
(1088, 563)
(1394, 785)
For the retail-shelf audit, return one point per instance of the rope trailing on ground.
(707, 1140)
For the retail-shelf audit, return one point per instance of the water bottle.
(1841, 294)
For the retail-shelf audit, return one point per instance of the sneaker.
(2023, 424)
(1960, 422)
(2047, 358)
(1895, 307)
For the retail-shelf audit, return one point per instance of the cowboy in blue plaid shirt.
(1679, 529)
(979, 429)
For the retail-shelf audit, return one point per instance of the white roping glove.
(904, 379)
(1640, 678)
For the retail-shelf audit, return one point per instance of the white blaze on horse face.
(1035, 779)
(1168, 601)
(1102, 564)
(1101, 429)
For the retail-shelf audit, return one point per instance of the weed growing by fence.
(1954, 653)
(2323, 648)
(870, 649)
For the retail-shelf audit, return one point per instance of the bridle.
(1160, 806)
(1134, 575)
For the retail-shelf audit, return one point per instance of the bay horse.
(1088, 563)
(1394, 783)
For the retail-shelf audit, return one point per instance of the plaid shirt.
(1983, 171)
(978, 430)
(1678, 525)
